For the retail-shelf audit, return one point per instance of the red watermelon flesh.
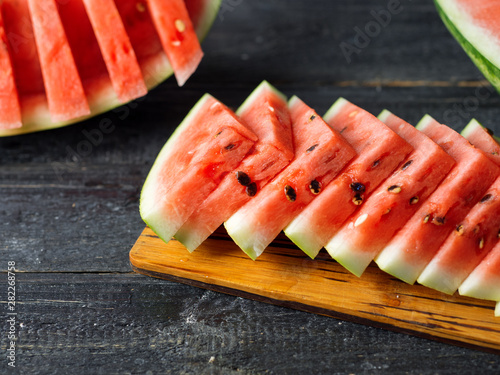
(466, 246)
(320, 154)
(24, 56)
(412, 248)
(119, 56)
(209, 143)
(483, 139)
(484, 280)
(265, 112)
(65, 95)
(87, 54)
(178, 36)
(366, 233)
(9, 99)
(379, 150)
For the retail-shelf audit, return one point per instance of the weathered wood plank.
(118, 323)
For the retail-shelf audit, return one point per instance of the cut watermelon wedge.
(475, 26)
(370, 229)
(63, 86)
(178, 36)
(320, 154)
(466, 246)
(483, 139)
(209, 143)
(265, 112)
(417, 242)
(379, 150)
(484, 280)
(119, 56)
(101, 97)
(9, 98)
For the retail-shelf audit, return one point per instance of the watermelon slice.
(476, 235)
(266, 114)
(9, 99)
(209, 143)
(370, 229)
(466, 246)
(380, 151)
(412, 248)
(484, 281)
(99, 92)
(475, 26)
(320, 154)
(119, 56)
(177, 36)
(483, 139)
(63, 86)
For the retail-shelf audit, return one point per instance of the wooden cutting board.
(285, 276)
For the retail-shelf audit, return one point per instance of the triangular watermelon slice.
(320, 154)
(265, 112)
(370, 229)
(63, 86)
(116, 48)
(379, 150)
(476, 235)
(178, 36)
(9, 98)
(417, 242)
(209, 143)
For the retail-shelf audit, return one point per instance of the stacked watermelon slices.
(64, 61)
(422, 202)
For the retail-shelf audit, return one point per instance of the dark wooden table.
(69, 220)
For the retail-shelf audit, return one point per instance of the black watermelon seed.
(406, 165)
(315, 187)
(396, 189)
(486, 198)
(251, 189)
(290, 193)
(230, 146)
(460, 230)
(376, 163)
(414, 200)
(439, 220)
(243, 178)
(312, 117)
(312, 147)
(357, 200)
(357, 187)
(426, 218)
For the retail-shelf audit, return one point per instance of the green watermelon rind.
(154, 219)
(159, 70)
(487, 68)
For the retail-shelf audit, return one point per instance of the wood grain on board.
(285, 276)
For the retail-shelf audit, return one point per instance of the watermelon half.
(266, 113)
(474, 24)
(103, 68)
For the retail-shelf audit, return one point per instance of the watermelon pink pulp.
(379, 150)
(208, 144)
(265, 112)
(370, 229)
(320, 154)
(413, 247)
(42, 103)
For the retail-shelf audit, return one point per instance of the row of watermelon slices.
(64, 61)
(423, 202)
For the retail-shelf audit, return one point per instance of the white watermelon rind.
(149, 208)
(481, 48)
(471, 126)
(158, 69)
